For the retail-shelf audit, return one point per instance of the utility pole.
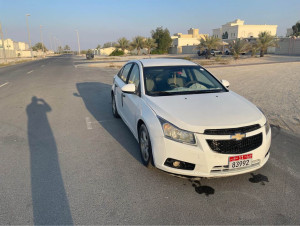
(50, 42)
(78, 42)
(54, 44)
(4, 53)
(43, 48)
(27, 15)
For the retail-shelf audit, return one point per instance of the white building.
(237, 29)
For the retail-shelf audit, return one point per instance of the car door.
(131, 102)
(120, 81)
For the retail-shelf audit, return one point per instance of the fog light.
(176, 164)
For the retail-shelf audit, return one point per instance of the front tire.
(145, 146)
(114, 107)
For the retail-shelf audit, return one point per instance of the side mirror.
(128, 88)
(225, 83)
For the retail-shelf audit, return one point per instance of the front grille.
(232, 131)
(236, 146)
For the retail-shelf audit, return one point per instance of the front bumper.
(208, 163)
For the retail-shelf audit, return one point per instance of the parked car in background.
(187, 122)
(213, 52)
(89, 55)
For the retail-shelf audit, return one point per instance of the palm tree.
(254, 48)
(138, 43)
(149, 43)
(209, 43)
(67, 48)
(123, 44)
(265, 40)
(238, 47)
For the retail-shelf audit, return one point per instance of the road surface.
(64, 159)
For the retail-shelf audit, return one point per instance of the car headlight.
(267, 127)
(174, 133)
(267, 124)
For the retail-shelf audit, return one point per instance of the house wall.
(246, 31)
(9, 44)
(187, 41)
(237, 29)
(107, 51)
(192, 38)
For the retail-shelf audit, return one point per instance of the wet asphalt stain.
(258, 178)
(202, 189)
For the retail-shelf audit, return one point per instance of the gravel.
(275, 88)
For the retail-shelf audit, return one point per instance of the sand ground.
(275, 88)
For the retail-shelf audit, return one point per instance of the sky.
(103, 21)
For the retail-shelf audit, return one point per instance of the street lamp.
(78, 42)
(27, 15)
(3, 45)
(43, 48)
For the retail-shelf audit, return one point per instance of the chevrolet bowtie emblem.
(238, 136)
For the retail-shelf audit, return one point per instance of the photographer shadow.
(49, 198)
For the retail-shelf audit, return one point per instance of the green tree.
(138, 43)
(39, 46)
(209, 43)
(60, 49)
(150, 44)
(117, 52)
(67, 48)
(265, 40)
(238, 47)
(296, 29)
(107, 45)
(162, 39)
(123, 44)
(98, 46)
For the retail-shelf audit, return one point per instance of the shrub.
(187, 58)
(157, 51)
(117, 52)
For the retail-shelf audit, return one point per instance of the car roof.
(165, 62)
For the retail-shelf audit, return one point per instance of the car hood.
(197, 112)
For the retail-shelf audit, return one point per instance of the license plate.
(240, 161)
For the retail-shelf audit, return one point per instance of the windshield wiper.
(212, 91)
(201, 91)
(161, 93)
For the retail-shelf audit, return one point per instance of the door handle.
(123, 95)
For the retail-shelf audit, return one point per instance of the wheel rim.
(144, 145)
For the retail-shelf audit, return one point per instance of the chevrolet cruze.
(187, 122)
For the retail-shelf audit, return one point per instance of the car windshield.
(179, 80)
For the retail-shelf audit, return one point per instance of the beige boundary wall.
(15, 54)
(288, 46)
(8, 53)
(189, 49)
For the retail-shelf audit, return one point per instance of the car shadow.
(97, 99)
(49, 199)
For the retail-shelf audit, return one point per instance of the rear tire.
(145, 146)
(114, 107)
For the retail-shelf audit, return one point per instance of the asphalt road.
(64, 159)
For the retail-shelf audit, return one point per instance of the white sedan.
(187, 122)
